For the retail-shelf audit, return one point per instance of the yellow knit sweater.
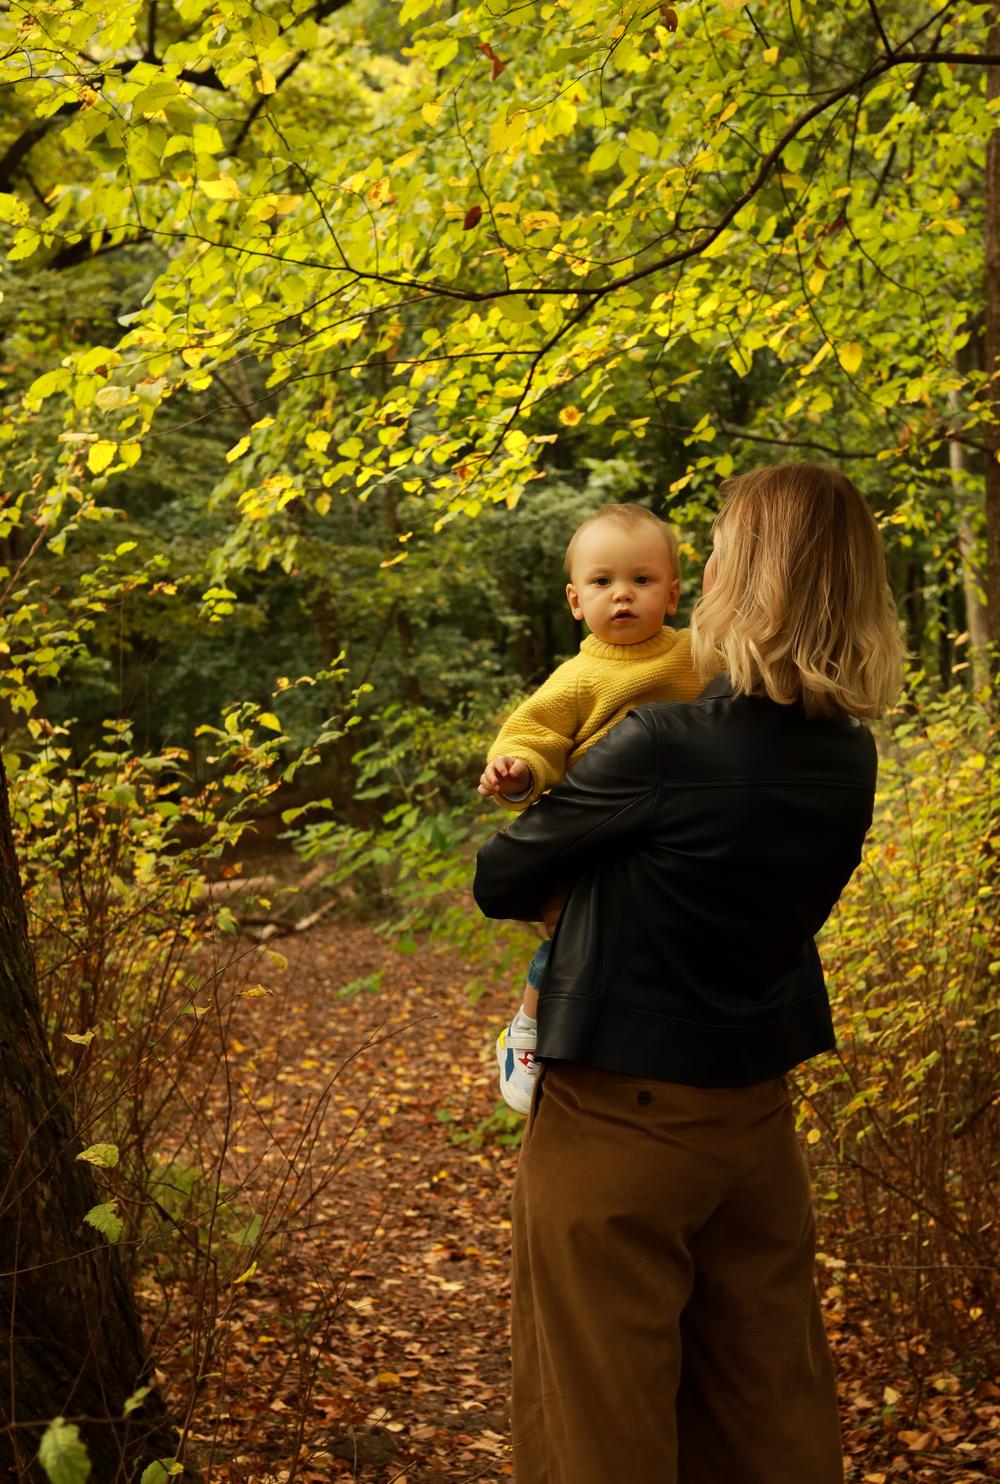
(583, 699)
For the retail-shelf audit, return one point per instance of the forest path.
(400, 1219)
(403, 1243)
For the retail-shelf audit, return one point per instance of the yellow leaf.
(817, 280)
(245, 1277)
(223, 188)
(392, 561)
(100, 455)
(269, 720)
(265, 83)
(772, 54)
(515, 441)
(507, 133)
(813, 1136)
(536, 221)
(850, 356)
(431, 113)
(956, 228)
(103, 1155)
(237, 450)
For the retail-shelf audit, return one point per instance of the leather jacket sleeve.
(604, 802)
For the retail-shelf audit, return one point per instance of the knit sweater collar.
(660, 643)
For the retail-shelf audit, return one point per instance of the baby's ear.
(573, 599)
(673, 595)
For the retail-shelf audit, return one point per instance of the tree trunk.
(976, 612)
(71, 1344)
(993, 343)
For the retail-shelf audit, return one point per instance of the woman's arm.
(603, 803)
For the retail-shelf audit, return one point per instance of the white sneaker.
(517, 1062)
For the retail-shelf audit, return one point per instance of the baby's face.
(623, 582)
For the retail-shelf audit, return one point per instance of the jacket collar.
(721, 686)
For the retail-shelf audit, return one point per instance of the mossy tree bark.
(71, 1344)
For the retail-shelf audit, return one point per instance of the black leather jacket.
(706, 844)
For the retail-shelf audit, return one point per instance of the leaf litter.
(368, 1339)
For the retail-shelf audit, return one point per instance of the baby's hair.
(627, 515)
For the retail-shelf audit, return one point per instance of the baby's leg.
(516, 1042)
(536, 973)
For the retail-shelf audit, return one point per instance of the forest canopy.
(326, 321)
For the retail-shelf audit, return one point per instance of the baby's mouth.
(619, 617)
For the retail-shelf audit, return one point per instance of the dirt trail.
(403, 1238)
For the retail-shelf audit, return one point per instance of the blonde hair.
(800, 606)
(627, 515)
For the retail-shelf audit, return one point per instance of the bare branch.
(880, 28)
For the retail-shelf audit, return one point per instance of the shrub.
(903, 1120)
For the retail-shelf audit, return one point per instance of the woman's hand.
(507, 776)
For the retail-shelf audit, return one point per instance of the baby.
(624, 580)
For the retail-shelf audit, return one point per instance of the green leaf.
(136, 1400)
(517, 310)
(25, 242)
(48, 384)
(104, 1218)
(62, 1453)
(105, 1155)
(604, 156)
(110, 398)
(161, 1471)
(13, 209)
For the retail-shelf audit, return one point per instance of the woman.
(665, 1322)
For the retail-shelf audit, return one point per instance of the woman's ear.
(573, 599)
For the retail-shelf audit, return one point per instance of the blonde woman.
(665, 1323)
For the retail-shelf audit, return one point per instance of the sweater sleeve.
(542, 732)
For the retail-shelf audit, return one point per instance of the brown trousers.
(666, 1328)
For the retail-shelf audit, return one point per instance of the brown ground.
(370, 1342)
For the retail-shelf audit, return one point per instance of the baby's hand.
(505, 775)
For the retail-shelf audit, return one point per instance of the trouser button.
(644, 1098)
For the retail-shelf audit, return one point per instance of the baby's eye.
(601, 581)
(642, 579)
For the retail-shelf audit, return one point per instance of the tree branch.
(880, 28)
(20, 149)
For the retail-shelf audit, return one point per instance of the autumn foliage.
(323, 325)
